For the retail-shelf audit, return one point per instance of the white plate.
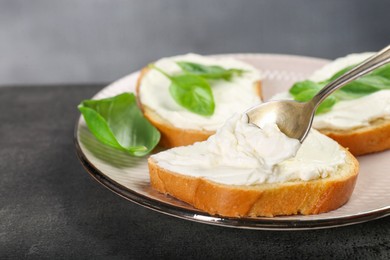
(128, 176)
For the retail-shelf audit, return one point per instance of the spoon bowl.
(281, 113)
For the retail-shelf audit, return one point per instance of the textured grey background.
(73, 41)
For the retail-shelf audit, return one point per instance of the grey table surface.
(51, 208)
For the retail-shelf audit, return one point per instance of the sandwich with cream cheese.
(245, 171)
(234, 85)
(360, 118)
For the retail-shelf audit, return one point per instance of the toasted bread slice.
(269, 199)
(172, 136)
(363, 140)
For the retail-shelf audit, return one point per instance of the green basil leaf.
(383, 71)
(303, 86)
(119, 123)
(343, 95)
(377, 80)
(193, 93)
(209, 72)
(309, 93)
(367, 85)
(326, 105)
(306, 95)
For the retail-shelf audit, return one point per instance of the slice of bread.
(172, 136)
(363, 140)
(269, 199)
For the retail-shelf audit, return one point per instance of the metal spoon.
(295, 118)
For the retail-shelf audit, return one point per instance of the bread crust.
(172, 136)
(268, 200)
(363, 140)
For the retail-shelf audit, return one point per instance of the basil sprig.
(194, 93)
(192, 90)
(119, 123)
(377, 80)
(209, 72)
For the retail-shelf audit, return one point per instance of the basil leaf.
(377, 80)
(310, 92)
(119, 123)
(306, 95)
(383, 71)
(209, 72)
(367, 85)
(193, 93)
(342, 95)
(326, 105)
(303, 86)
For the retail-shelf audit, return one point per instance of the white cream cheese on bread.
(348, 114)
(235, 95)
(355, 113)
(243, 154)
(338, 64)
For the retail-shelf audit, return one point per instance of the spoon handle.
(380, 58)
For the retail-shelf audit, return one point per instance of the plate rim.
(194, 215)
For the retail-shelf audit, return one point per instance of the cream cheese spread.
(235, 95)
(243, 154)
(338, 64)
(348, 114)
(355, 113)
